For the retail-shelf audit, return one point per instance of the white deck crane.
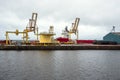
(74, 28)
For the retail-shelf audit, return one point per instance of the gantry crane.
(74, 28)
(14, 32)
(31, 27)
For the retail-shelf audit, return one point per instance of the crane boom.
(75, 26)
(32, 23)
(32, 27)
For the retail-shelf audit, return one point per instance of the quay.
(62, 47)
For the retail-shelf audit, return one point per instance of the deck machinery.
(44, 38)
(66, 39)
(47, 38)
(74, 28)
(31, 27)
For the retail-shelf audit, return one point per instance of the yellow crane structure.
(31, 27)
(74, 28)
(17, 33)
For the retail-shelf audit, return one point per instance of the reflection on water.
(60, 65)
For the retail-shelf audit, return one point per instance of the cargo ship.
(46, 40)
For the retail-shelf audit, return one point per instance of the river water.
(60, 65)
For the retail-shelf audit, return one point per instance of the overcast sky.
(97, 16)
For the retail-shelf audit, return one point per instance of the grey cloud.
(95, 13)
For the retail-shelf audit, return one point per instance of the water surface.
(60, 65)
